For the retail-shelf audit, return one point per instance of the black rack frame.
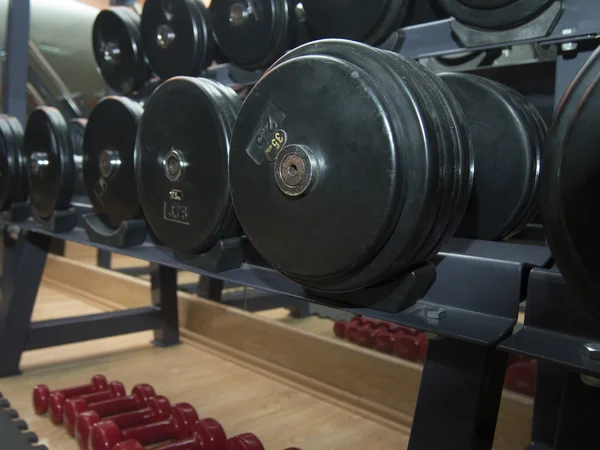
(470, 310)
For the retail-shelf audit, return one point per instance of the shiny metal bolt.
(174, 164)
(239, 13)
(164, 36)
(108, 162)
(591, 351)
(296, 170)
(38, 161)
(111, 53)
(436, 313)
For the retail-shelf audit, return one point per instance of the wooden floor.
(241, 399)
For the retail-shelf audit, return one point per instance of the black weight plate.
(570, 186)
(13, 179)
(187, 210)
(507, 16)
(49, 157)
(487, 4)
(351, 19)
(458, 168)
(253, 34)
(177, 37)
(110, 136)
(505, 158)
(117, 46)
(334, 236)
(538, 134)
(424, 11)
(393, 19)
(76, 133)
(410, 71)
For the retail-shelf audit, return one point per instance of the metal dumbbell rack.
(468, 299)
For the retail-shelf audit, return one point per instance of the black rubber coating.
(111, 131)
(13, 180)
(177, 36)
(495, 15)
(366, 21)
(570, 186)
(117, 46)
(49, 158)
(187, 121)
(396, 219)
(507, 156)
(264, 30)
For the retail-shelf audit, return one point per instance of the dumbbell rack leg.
(163, 281)
(25, 260)
(24, 266)
(104, 259)
(452, 413)
(565, 411)
(549, 385)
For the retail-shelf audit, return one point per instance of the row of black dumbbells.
(183, 37)
(345, 165)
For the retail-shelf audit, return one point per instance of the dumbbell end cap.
(130, 444)
(246, 441)
(160, 406)
(105, 435)
(56, 408)
(83, 427)
(364, 338)
(99, 382)
(186, 416)
(117, 389)
(72, 409)
(209, 431)
(339, 329)
(41, 394)
(142, 392)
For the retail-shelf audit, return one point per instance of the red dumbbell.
(207, 434)
(383, 340)
(354, 328)
(410, 346)
(58, 400)
(340, 326)
(515, 358)
(158, 409)
(520, 377)
(339, 329)
(106, 434)
(41, 393)
(367, 336)
(138, 399)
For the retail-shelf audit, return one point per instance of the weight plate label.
(276, 144)
(175, 209)
(261, 140)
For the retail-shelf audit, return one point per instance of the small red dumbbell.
(515, 358)
(520, 377)
(339, 329)
(58, 400)
(140, 394)
(409, 346)
(368, 337)
(41, 393)
(106, 434)
(207, 434)
(340, 326)
(383, 340)
(158, 409)
(354, 328)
